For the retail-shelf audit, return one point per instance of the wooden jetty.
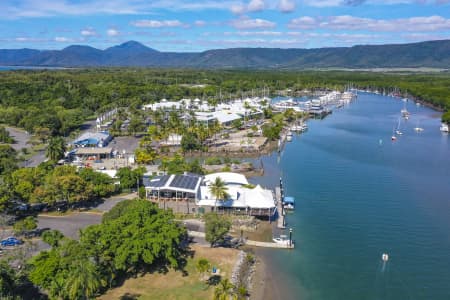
(280, 209)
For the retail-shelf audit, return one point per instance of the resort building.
(93, 139)
(191, 193)
(86, 153)
(164, 105)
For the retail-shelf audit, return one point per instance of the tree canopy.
(216, 228)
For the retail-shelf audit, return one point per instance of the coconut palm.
(218, 189)
(225, 291)
(84, 280)
(56, 148)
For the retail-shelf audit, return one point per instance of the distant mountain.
(424, 54)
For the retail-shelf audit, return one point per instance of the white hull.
(444, 128)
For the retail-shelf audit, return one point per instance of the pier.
(280, 209)
(248, 242)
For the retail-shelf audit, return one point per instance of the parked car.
(11, 241)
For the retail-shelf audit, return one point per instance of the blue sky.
(188, 26)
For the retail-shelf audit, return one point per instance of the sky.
(192, 26)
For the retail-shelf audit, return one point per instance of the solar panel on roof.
(185, 182)
(158, 181)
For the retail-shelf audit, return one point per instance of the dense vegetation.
(135, 237)
(59, 101)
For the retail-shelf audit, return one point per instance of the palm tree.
(225, 291)
(83, 281)
(56, 148)
(218, 189)
(242, 292)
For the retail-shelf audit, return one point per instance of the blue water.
(357, 197)
(11, 68)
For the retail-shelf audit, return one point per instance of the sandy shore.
(263, 284)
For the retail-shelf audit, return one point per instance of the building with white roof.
(93, 139)
(191, 193)
(164, 105)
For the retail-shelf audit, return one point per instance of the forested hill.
(424, 54)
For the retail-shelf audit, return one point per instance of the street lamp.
(290, 237)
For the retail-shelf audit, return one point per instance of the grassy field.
(174, 285)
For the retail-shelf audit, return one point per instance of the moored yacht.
(444, 127)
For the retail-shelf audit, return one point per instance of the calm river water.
(358, 197)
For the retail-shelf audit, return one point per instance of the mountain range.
(434, 54)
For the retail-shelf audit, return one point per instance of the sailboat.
(405, 112)
(418, 128)
(393, 137)
(398, 132)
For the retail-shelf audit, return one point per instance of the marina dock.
(281, 213)
(249, 242)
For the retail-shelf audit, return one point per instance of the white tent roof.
(239, 197)
(227, 177)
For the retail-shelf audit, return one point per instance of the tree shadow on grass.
(213, 280)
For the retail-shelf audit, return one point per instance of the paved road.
(20, 136)
(70, 225)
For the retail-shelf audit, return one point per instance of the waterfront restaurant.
(190, 193)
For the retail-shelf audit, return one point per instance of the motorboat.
(289, 136)
(394, 138)
(444, 127)
(299, 127)
(385, 257)
(283, 240)
(418, 129)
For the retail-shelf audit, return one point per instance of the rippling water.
(358, 197)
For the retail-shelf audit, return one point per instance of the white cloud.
(334, 3)
(88, 32)
(346, 22)
(156, 23)
(61, 39)
(112, 32)
(46, 8)
(257, 33)
(303, 23)
(256, 5)
(286, 6)
(247, 23)
(238, 9)
(199, 23)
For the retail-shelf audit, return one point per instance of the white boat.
(418, 128)
(289, 136)
(404, 112)
(289, 206)
(385, 257)
(299, 127)
(444, 127)
(283, 240)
